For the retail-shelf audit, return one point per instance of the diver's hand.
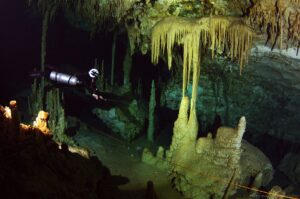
(98, 97)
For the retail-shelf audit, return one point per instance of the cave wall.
(267, 93)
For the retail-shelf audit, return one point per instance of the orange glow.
(13, 104)
(40, 123)
(7, 112)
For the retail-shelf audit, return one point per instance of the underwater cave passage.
(150, 99)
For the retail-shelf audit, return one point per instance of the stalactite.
(48, 9)
(278, 19)
(127, 66)
(218, 27)
(43, 44)
(240, 39)
(198, 34)
(191, 57)
(113, 55)
(151, 114)
(95, 12)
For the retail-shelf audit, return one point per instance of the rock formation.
(127, 121)
(34, 166)
(206, 167)
(203, 168)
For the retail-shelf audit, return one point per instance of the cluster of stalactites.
(220, 34)
(48, 6)
(280, 19)
(95, 11)
(98, 11)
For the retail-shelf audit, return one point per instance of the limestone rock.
(276, 193)
(253, 161)
(158, 161)
(33, 166)
(290, 166)
(41, 123)
(207, 168)
(148, 157)
(203, 170)
(252, 94)
(127, 122)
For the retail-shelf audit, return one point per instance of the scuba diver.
(73, 80)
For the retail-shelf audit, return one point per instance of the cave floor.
(124, 161)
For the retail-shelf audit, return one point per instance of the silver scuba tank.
(64, 78)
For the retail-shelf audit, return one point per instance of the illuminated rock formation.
(206, 167)
(41, 123)
(158, 160)
(34, 166)
(196, 36)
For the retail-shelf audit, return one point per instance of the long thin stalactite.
(197, 35)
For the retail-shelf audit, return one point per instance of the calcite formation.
(203, 168)
(41, 122)
(126, 121)
(196, 35)
(276, 193)
(157, 160)
(34, 166)
(12, 129)
(11, 117)
(210, 167)
(280, 19)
